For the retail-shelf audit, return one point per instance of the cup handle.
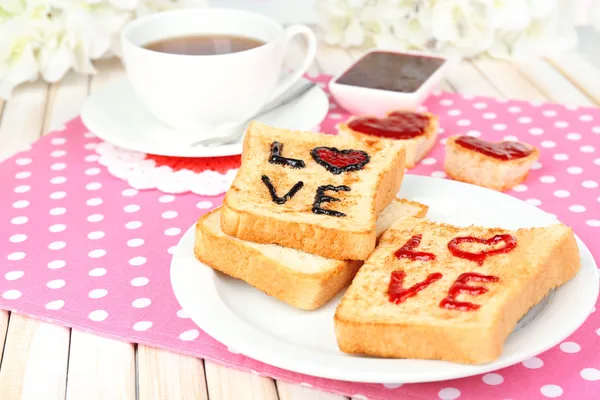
(311, 52)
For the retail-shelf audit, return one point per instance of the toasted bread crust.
(469, 166)
(416, 149)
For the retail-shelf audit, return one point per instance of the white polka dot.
(454, 113)
(480, 105)
(23, 175)
(463, 122)
(141, 303)
(392, 385)
(533, 363)
(587, 149)
(55, 305)
(548, 144)
(590, 374)
(520, 188)
(492, 379)
(510, 138)
(91, 158)
(97, 253)
(130, 208)
(23, 161)
(56, 264)
(335, 116)
(95, 235)
(58, 141)
(98, 315)
(97, 293)
(536, 165)
(20, 204)
(549, 113)
(18, 238)
(133, 224)
(142, 326)
(58, 153)
(97, 272)
(57, 245)
(536, 131)
(597, 161)
(499, 127)
(90, 146)
(561, 157)
(446, 102)
(182, 314)
(57, 180)
(573, 136)
(589, 184)
(22, 189)
(93, 186)
(547, 179)
(56, 284)
(575, 170)
(534, 202)
(167, 198)
(443, 142)
(189, 335)
(551, 391)
(525, 120)
(171, 250)
(58, 166)
(19, 220)
(489, 115)
(57, 228)
(11, 294)
(169, 214)
(13, 275)
(570, 347)
(16, 256)
(58, 211)
(95, 218)
(593, 222)
(92, 171)
(94, 201)
(204, 204)
(514, 109)
(429, 161)
(473, 133)
(561, 124)
(137, 242)
(129, 192)
(586, 118)
(140, 281)
(58, 195)
(172, 231)
(562, 193)
(449, 393)
(577, 208)
(438, 174)
(137, 261)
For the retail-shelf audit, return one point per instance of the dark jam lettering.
(461, 286)
(273, 192)
(338, 161)
(277, 158)
(321, 197)
(397, 125)
(504, 151)
(510, 242)
(398, 294)
(408, 250)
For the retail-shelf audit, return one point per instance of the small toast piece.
(353, 181)
(470, 166)
(302, 280)
(415, 148)
(469, 327)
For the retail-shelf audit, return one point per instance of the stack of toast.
(309, 214)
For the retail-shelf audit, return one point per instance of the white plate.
(267, 330)
(115, 115)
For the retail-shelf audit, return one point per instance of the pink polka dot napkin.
(82, 248)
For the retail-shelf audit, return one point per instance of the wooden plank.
(4, 315)
(100, 368)
(332, 60)
(467, 80)
(65, 100)
(580, 72)
(163, 375)
(506, 78)
(229, 384)
(34, 365)
(290, 391)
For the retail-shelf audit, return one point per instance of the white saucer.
(270, 331)
(115, 115)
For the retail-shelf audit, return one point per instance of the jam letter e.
(461, 286)
(321, 198)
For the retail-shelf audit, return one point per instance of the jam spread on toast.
(510, 242)
(277, 158)
(399, 125)
(398, 294)
(408, 250)
(273, 192)
(338, 161)
(321, 197)
(461, 286)
(504, 151)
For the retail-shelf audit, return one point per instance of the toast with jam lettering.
(300, 279)
(495, 165)
(310, 191)
(416, 131)
(442, 292)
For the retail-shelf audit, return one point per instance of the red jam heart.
(400, 125)
(338, 161)
(510, 242)
(504, 151)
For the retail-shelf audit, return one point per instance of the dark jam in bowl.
(391, 71)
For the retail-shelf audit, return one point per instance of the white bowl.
(362, 100)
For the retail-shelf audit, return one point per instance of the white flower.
(17, 59)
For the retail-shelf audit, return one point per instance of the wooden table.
(38, 357)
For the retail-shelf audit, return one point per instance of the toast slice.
(312, 192)
(416, 148)
(454, 317)
(470, 166)
(302, 280)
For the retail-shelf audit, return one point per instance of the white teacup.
(200, 92)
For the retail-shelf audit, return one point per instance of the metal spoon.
(235, 136)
